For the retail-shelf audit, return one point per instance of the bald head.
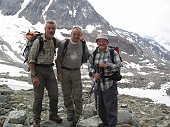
(76, 34)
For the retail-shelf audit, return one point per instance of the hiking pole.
(97, 101)
(98, 91)
(92, 89)
(88, 98)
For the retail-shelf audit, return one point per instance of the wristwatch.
(33, 74)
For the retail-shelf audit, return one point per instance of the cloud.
(141, 16)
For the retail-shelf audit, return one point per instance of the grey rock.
(124, 106)
(1, 105)
(124, 117)
(2, 120)
(8, 106)
(64, 123)
(89, 110)
(2, 111)
(148, 122)
(4, 98)
(16, 117)
(13, 125)
(9, 7)
(90, 122)
(5, 90)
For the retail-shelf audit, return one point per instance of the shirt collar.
(107, 49)
(45, 40)
(73, 42)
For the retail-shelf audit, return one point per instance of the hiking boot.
(36, 123)
(56, 119)
(70, 116)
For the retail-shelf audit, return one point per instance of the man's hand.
(102, 64)
(82, 39)
(35, 81)
(96, 76)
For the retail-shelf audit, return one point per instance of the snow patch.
(158, 96)
(133, 65)
(16, 85)
(124, 81)
(150, 84)
(46, 8)
(12, 71)
(127, 74)
(23, 6)
(90, 28)
(142, 73)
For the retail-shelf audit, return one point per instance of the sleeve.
(60, 48)
(34, 52)
(87, 53)
(58, 42)
(91, 68)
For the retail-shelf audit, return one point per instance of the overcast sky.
(141, 16)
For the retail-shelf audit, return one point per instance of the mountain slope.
(141, 56)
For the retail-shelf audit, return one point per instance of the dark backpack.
(84, 60)
(31, 37)
(115, 76)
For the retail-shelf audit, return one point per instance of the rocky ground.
(16, 111)
(16, 106)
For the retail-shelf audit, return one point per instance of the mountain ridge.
(143, 52)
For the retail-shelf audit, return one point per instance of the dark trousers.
(48, 81)
(106, 104)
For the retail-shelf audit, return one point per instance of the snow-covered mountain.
(142, 57)
(163, 39)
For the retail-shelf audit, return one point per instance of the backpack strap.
(41, 41)
(94, 55)
(112, 54)
(65, 47)
(55, 42)
(111, 50)
(83, 48)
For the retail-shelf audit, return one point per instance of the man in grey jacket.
(68, 72)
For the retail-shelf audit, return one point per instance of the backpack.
(31, 37)
(84, 60)
(115, 76)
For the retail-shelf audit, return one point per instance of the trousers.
(48, 81)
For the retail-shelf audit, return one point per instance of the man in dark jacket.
(101, 68)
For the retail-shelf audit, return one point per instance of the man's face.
(50, 30)
(76, 34)
(102, 43)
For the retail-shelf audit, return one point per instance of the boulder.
(4, 99)
(16, 118)
(5, 90)
(124, 117)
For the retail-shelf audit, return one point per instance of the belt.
(45, 65)
(70, 69)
